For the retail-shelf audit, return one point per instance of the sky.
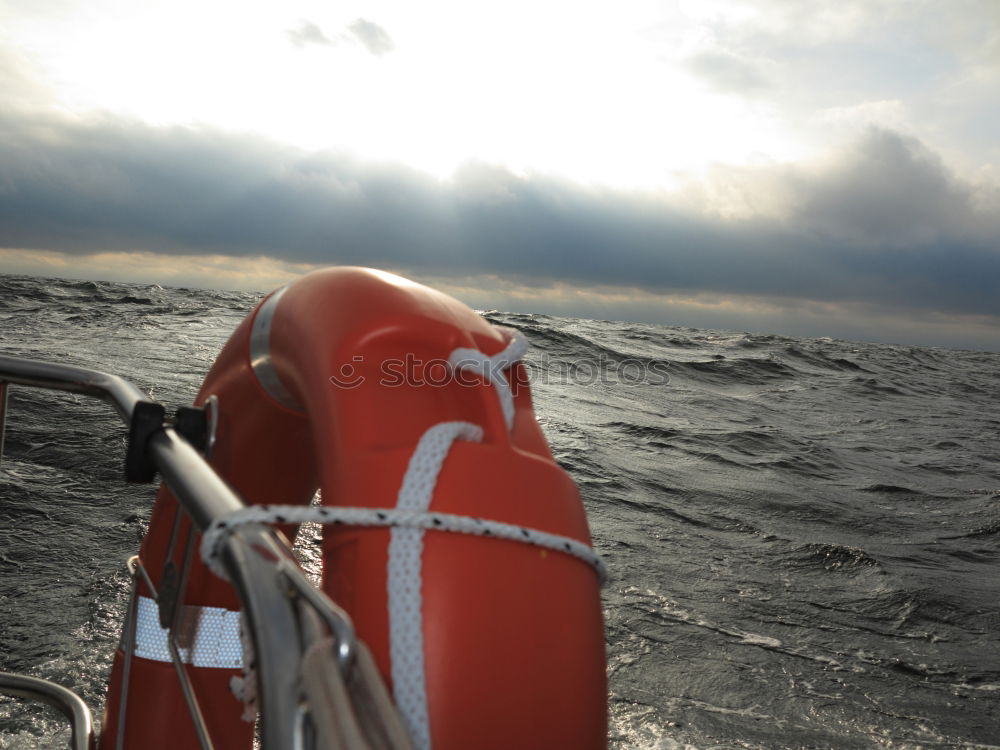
(824, 168)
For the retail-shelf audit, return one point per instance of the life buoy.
(386, 394)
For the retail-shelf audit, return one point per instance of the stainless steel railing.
(288, 617)
(68, 702)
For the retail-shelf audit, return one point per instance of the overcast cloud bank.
(882, 226)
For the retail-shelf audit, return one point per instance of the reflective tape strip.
(209, 636)
(260, 353)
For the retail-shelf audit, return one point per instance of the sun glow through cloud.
(603, 102)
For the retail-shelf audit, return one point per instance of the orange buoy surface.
(388, 395)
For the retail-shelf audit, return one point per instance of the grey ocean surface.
(803, 535)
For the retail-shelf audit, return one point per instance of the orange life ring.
(339, 381)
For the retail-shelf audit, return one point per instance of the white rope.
(405, 577)
(245, 688)
(491, 368)
(211, 541)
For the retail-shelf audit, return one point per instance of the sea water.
(803, 534)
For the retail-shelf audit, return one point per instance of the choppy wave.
(803, 534)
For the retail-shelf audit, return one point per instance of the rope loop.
(492, 368)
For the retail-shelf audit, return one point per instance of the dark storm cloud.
(888, 191)
(885, 224)
(375, 39)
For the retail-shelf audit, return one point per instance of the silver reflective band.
(260, 353)
(209, 636)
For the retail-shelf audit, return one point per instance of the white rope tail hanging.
(245, 688)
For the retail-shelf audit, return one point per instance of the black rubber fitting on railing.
(166, 595)
(191, 422)
(147, 417)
